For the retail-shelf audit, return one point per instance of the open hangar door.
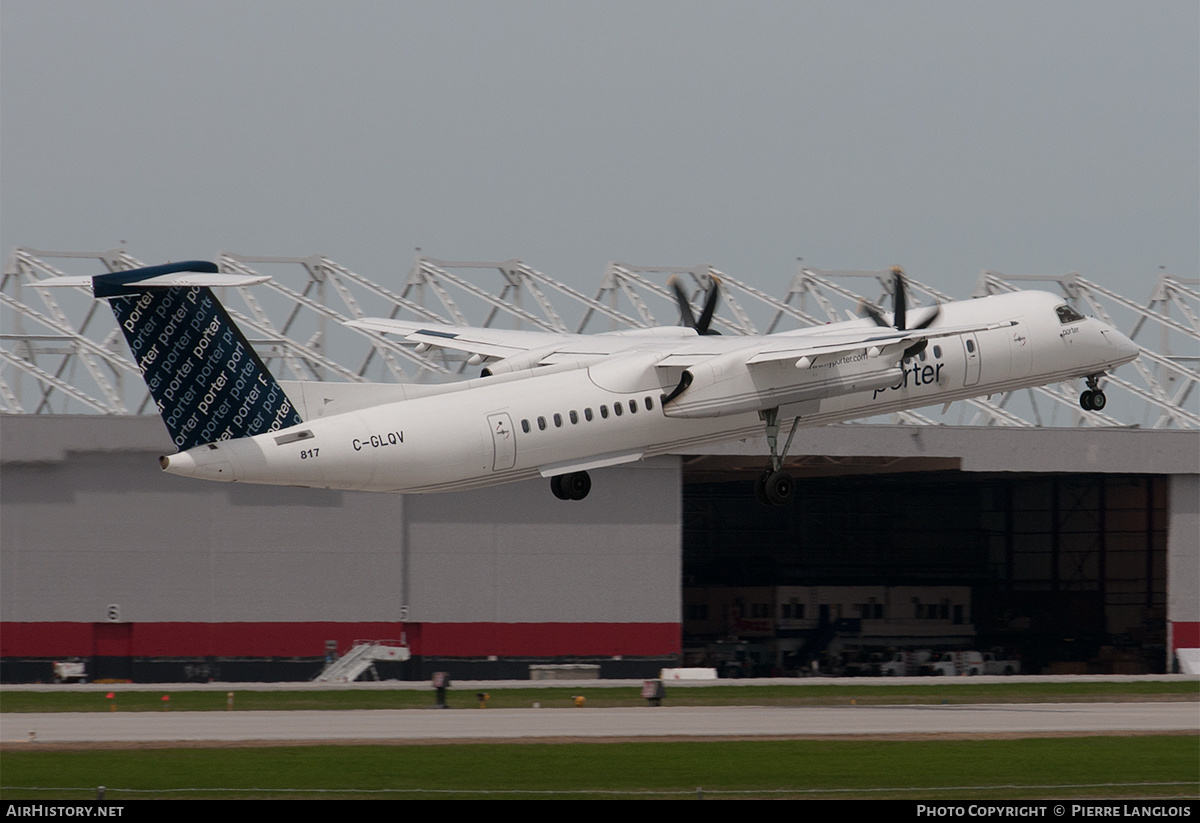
(1066, 572)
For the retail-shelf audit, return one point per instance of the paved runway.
(644, 722)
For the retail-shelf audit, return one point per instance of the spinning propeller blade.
(686, 317)
(900, 312)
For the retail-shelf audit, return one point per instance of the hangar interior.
(1063, 539)
(1066, 573)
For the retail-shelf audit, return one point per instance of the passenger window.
(970, 346)
(574, 417)
(937, 351)
(525, 426)
(921, 357)
(649, 404)
(587, 415)
(633, 407)
(617, 410)
(557, 420)
(541, 424)
(604, 412)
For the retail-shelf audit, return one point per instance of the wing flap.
(600, 461)
(498, 343)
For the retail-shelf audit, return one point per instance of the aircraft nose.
(1127, 349)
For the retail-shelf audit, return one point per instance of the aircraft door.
(504, 441)
(1020, 351)
(971, 352)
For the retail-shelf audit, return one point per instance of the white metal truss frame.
(53, 347)
(314, 313)
(67, 354)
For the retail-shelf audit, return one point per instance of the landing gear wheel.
(577, 485)
(573, 486)
(760, 488)
(775, 487)
(1093, 399)
(778, 488)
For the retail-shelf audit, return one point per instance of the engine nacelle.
(533, 359)
(727, 385)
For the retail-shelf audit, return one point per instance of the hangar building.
(1067, 539)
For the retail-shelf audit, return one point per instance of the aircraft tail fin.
(207, 380)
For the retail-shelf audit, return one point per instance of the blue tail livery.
(208, 382)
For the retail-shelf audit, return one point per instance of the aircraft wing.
(811, 342)
(545, 347)
(487, 342)
(794, 367)
(680, 347)
(781, 348)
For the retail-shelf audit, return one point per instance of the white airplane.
(562, 405)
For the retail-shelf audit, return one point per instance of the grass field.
(934, 692)
(1056, 768)
(1061, 767)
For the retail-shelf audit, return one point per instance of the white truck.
(994, 664)
(70, 671)
(905, 664)
(953, 664)
(973, 663)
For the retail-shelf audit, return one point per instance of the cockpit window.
(1066, 314)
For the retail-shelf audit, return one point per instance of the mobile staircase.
(361, 658)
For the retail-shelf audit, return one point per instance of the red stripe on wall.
(550, 639)
(308, 639)
(1185, 635)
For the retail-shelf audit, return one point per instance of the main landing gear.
(573, 486)
(775, 487)
(1093, 399)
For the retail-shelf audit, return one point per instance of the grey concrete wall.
(1183, 550)
(87, 519)
(516, 554)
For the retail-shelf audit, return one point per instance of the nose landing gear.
(1093, 399)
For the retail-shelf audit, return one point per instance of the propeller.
(900, 313)
(686, 317)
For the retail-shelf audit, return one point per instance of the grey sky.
(942, 136)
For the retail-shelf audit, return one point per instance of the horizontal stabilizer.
(188, 274)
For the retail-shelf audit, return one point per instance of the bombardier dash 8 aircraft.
(562, 405)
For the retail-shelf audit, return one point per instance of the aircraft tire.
(760, 488)
(576, 485)
(1085, 400)
(556, 486)
(1099, 401)
(778, 488)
